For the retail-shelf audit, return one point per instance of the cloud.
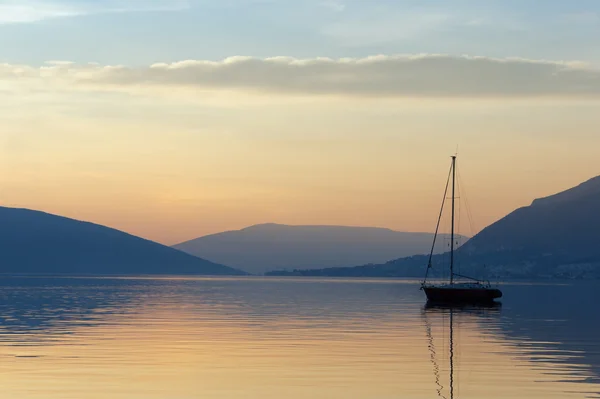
(386, 23)
(386, 76)
(582, 18)
(334, 5)
(24, 11)
(380, 26)
(27, 11)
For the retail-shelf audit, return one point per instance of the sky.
(175, 119)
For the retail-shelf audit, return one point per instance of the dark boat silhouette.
(455, 291)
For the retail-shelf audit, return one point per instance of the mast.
(452, 229)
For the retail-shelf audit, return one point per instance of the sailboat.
(455, 290)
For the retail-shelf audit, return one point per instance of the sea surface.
(271, 338)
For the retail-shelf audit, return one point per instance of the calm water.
(274, 338)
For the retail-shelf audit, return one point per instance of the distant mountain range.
(555, 237)
(33, 242)
(261, 248)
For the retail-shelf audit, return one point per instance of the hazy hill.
(37, 242)
(556, 236)
(264, 247)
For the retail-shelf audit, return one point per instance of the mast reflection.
(450, 310)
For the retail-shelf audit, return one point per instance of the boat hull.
(472, 295)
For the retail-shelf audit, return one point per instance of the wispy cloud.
(395, 76)
(586, 18)
(387, 23)
(335, 5)
(23, 11)
(27, 11)
(382, 25)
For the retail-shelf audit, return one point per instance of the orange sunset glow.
(169, 167)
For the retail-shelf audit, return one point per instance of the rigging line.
(437, 227)
(458, 230)
(469, 213)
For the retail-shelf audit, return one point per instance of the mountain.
(557, 236)
(554, 237)
(41, 243)
(265, 247)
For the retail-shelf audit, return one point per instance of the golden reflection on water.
(245, 338)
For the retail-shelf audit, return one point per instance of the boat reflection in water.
(479, 309)
(448, 311)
